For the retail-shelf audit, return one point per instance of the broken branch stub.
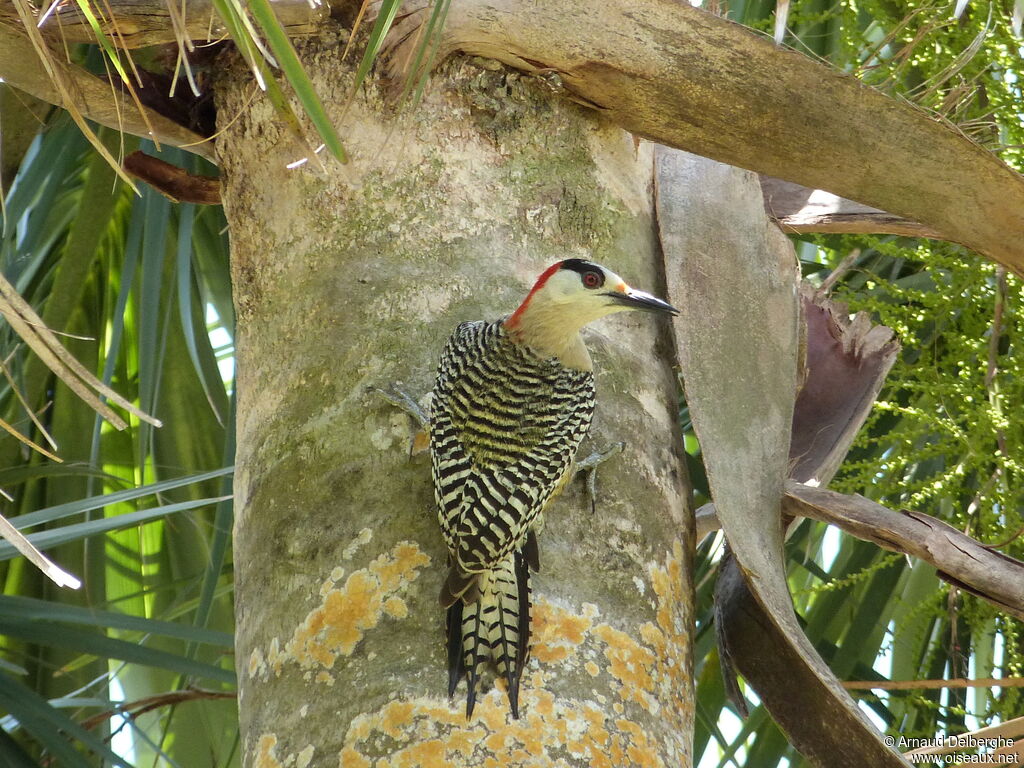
(173, 182)
(799, 210)
(958, 559)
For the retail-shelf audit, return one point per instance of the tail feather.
(474, 649)
(495, 627)
(453, 630)
(459, 585)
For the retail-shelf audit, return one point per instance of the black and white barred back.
(505, 426)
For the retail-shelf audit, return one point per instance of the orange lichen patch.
(644, 757)
(395, 606)
(344, 616)
(394, 713)
(645, 662)
(495, 742)
(349, 758)
(631, 664)
(420, 733)
(668, 586)
(392, 569)
(492, 716)
(359, 729)
(615, 753)
(641, 752)
(463, 741)
(426, 754)
(670, 640)
(545, 702)
(265, 757)
(595, 724)
(628, 726)
(347, 611)
(557, 633)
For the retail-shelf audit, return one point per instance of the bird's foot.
(590, 465)
(402, 400)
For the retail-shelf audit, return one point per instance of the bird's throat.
(548, 333)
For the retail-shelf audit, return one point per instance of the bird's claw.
(402, 400)
(590, 465)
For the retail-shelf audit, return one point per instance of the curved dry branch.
(98, 100)
(686, 78)
(738, 337)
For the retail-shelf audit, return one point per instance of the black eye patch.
(590, 274)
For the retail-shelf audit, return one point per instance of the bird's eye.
(593, 279)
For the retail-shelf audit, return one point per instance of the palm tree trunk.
(351, 279)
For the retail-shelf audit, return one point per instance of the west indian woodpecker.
(512, 402)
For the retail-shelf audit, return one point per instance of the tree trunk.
(352, 279)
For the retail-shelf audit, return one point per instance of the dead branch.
(930, 685)
(957, 557)
(96, 99)
(139, 707)
(138, 23)
(176, 183)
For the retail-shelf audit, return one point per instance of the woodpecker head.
(580, 290)
(567, 296)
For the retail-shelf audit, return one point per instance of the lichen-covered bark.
(353, 279)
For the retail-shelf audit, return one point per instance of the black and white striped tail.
(495, 626)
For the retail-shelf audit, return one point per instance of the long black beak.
(634, 299)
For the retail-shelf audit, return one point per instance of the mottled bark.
(352, 279)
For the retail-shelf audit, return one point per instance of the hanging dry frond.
(50, 569)
(57, 76)
(33, 331)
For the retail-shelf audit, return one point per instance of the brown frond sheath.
(512, 402)
(173, 182)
